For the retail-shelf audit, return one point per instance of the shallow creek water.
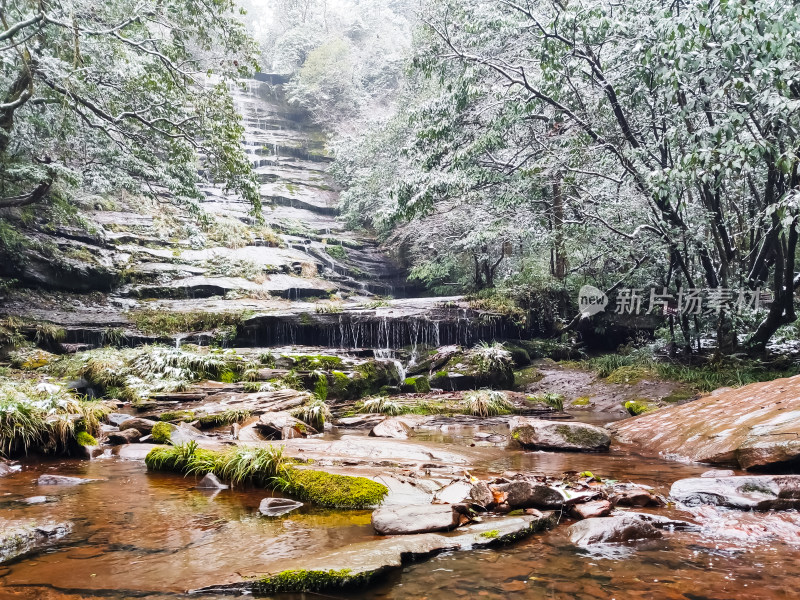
(146, 535)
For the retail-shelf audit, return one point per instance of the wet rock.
(7, 467)
(37, 500)
(360, 421)
(282, 426)
(89, 452)
(592, 509)
(211, 482)
(634, 495)
(145, 426)
(391, 428)
(612, 530)
(525, 494)
(481, 494)
(554, 435)
(184, 432)
(19, 539)
(129, 436)
(275, 507)
(364, 562)
(762, 492)
(453, 493)
(718, 473)
(62, 480)
(415, 518)
(754, 426)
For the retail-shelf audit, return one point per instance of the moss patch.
(527, 376)
(419, 384)
(580, 436)
(638, 407)
(582, 401)
(85, 439)
(300, 580)
(491, 534)
(630, 374)
(337, 491)
(161, 433)
(177, 415)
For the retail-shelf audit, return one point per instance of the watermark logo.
(591, 301)
(686, 301)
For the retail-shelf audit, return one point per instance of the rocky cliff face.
(300, 276)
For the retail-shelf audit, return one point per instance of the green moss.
(321, 387)
(224, 418)
(337, 491)
(227, 377)
(177, 415)
(336, 252)
(491, 534)
(442, 374)
(638, 407)
(582, 401)
(629, 374)
(679, 395)
(419, 384)
(341, 384)
(527, 376)
(160, 322)
(85, 439)
(580, 436)
(297, 580)
(161, 433)
(313, 362)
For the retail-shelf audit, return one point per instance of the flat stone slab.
(415, 518)
(757, 492)
(62, 480)
(19, 539)
(360, 564)
(752, 426)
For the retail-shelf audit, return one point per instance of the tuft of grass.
(381, 405)
(224, 418)
(551, 399)
(491, 357)
(314, 413)
(487, 403)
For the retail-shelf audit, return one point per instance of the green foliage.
(492, 357)
(224, 418)
(420, 384)
(495, 301)
(314, 413)
(490, 534)
(550, 399)
(313, 362)
(381, 405)
(160, 322)
(162, 432)
(487, 403)
(337, 252)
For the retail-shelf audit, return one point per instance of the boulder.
(415, 518)
(391, 428)
(634, 495)
(481, 494)
(525, 494)
(754, 426)
(18, 539)
(762, 492)
(275, 507)
(282, 426)
(129, 436)
(539, 434)
(7, 467)
(62, 480)
(184, 432)
(592, 509)
(211, 482)
(718, 473)
(145, 426)
(612, 530)
(453, 493)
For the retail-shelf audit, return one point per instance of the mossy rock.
(582, 401)
(162, 432)
(313, 362)
(418, 384)
(519, 355)
(549, 349)
(527, 376)
(630, 375)
(300, 580)
(679, 395)
(84, 438)
(336, 491)
(638, 407)
(177, 415)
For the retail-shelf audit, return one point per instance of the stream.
(153, 535)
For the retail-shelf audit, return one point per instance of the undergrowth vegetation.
(269, 467)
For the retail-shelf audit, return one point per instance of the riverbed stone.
(415, 518)
(538, 434)
(365, 562)
(62, 480)
(626, 494)
(453, 493)
(753, 427)
(275, 507)
(391, 428)
(615, 529)
(19, 538)
(592, 509)
(128, 436)
(525, 494)
(144, 426)
(746, 492)
(118, 419)
(282, 426)
(211, 482)
(481, 494)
